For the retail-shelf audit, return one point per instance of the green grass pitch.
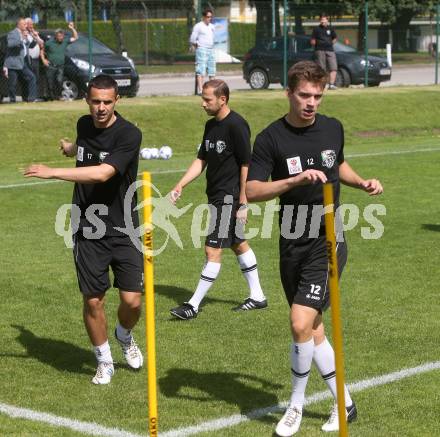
(224, 363)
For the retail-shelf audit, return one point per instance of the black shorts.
(304, 271)
(224, 230)
(94, 257)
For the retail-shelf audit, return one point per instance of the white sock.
(123, 334)
(209, 274)
(301, 356)
(248, 266)
(103, 353)
(324, 358)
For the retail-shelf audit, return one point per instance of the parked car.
(76, 70)
(263, 64)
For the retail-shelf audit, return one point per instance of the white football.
(165, 152)
(146, 153)
(154, 153)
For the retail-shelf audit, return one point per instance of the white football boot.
(132, 353)
(290, 422)
(332, 423)
(104, 373)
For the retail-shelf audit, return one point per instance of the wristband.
(243, 206)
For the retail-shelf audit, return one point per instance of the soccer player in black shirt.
(107, 155)
(225, 153)
(323, 38)
(300, 152)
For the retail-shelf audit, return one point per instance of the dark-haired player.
(225, 152)
(107, 153)
(300, 152)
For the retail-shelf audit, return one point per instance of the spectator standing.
(53, 58)
(202, 41)
(323, 38)
(34, 52)
(17, 61)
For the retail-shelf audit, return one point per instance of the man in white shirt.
(34, 52)
(202, 40)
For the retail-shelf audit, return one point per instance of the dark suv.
(76, 69)
(263, 64)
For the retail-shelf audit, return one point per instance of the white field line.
(226, 422)
(181, 170)
(91, 428)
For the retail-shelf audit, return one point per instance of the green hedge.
(167, 40)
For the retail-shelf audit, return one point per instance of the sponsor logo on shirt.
(207, 145)
(80, 154)
(294, 165)
(328, 158)
(102, 156)
(220, 146)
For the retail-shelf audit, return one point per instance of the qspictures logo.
(294, 222)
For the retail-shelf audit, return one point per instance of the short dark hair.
(206, 11)
(103, 82)
(308, 71)
(322, 15)
(220, 88)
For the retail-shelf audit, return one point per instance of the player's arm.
(193, 172)
(257, 191)
(94, 174)
(313, 42)
(243, 209)
(67, 148)
(349, 177)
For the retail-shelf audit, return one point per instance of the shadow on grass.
(247, 392)
(431, 227)
(180, 295)
(58, 354)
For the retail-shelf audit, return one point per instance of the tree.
(26, 7)
(265, 18)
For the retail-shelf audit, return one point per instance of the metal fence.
(157, 31)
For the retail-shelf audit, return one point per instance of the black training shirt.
(225, 148)
(282, 151)
(118, 146)
(324, 37)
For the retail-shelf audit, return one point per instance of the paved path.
(184, 84)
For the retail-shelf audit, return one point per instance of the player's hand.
(175, 194)
(372, 186)
(39, 171)
(310, 177)
(242, 215)
(46, 62)
(67, 148)
(71, 25)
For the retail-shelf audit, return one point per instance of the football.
(145, 153)
(165, 152)
(154, 153)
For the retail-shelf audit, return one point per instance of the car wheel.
(258, 79)
(342, 78)
(70, 90)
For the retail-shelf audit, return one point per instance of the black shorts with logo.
(224, 230)
(304, 271)
(94, 257)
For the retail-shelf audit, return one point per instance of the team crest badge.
(328, 158)
(220, 146)
(102, 156)
(294, 165)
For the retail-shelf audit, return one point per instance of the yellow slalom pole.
(149, 304)
(335, 304)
